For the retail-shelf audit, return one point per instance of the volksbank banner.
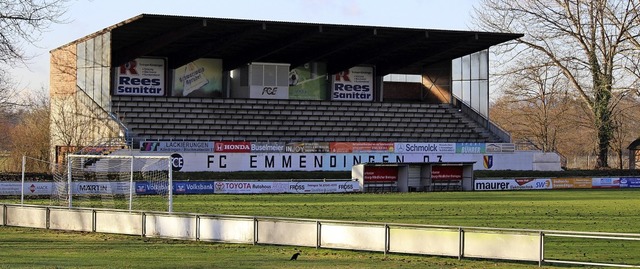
(232, 162)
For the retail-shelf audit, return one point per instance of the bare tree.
(590, 42)
(23, 21)
(30, 136)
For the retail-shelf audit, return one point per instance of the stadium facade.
(247, 95)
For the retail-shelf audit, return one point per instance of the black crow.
(295, 256)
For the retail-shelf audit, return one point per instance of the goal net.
(120, 182)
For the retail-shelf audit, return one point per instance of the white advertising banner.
(425, 147)
(256, 187)
(30, 188)
(354, 84)
(176, 146)
(513, 184)
(232, 162)
(142, 76)
(100, 187)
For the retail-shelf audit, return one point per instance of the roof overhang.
(237, 42)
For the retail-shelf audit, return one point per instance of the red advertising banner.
(232, 146)
(380, 173)
(349, 147)
(446, 172)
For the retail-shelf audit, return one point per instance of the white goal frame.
(131, 172)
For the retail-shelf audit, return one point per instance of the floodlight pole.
(24, 161)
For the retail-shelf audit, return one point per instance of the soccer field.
(575, 210)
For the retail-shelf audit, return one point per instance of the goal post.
(119, 181)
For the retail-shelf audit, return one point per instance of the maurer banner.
(142, 76)
(512, 184)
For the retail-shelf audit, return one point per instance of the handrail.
(481, 120)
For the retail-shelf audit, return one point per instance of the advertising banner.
(571, 183)
(232, 146)
(380, 173)
(500, 147)
(629, 182)
(200, 78)
(247, 161)
(512, 184)
(142, 76)
(176, 146)
(268, 147)
(307, 147)
(308, 82)
(82, 187)
(605, 182)
(179, 187)
(256, 187)
(471, 148)
(348, 147)
(425, 147)
(355, 84)
(30, 188)
(446, 172)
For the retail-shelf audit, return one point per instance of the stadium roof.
(392, 50)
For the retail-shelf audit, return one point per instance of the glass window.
(456, 69)
(257, 74)
(484, 64)
(457, 89)
(484, 98)
(475, 66)
(466, 92)
(282, 75)
(475, 93)
(270, 75)
(466, 67)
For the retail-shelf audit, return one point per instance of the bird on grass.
(295, 256)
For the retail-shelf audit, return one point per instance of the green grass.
(570, 210)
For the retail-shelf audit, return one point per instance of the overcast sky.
(88, 16)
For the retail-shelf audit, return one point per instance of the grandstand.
(177, 78)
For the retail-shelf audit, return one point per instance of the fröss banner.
(513, 184)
